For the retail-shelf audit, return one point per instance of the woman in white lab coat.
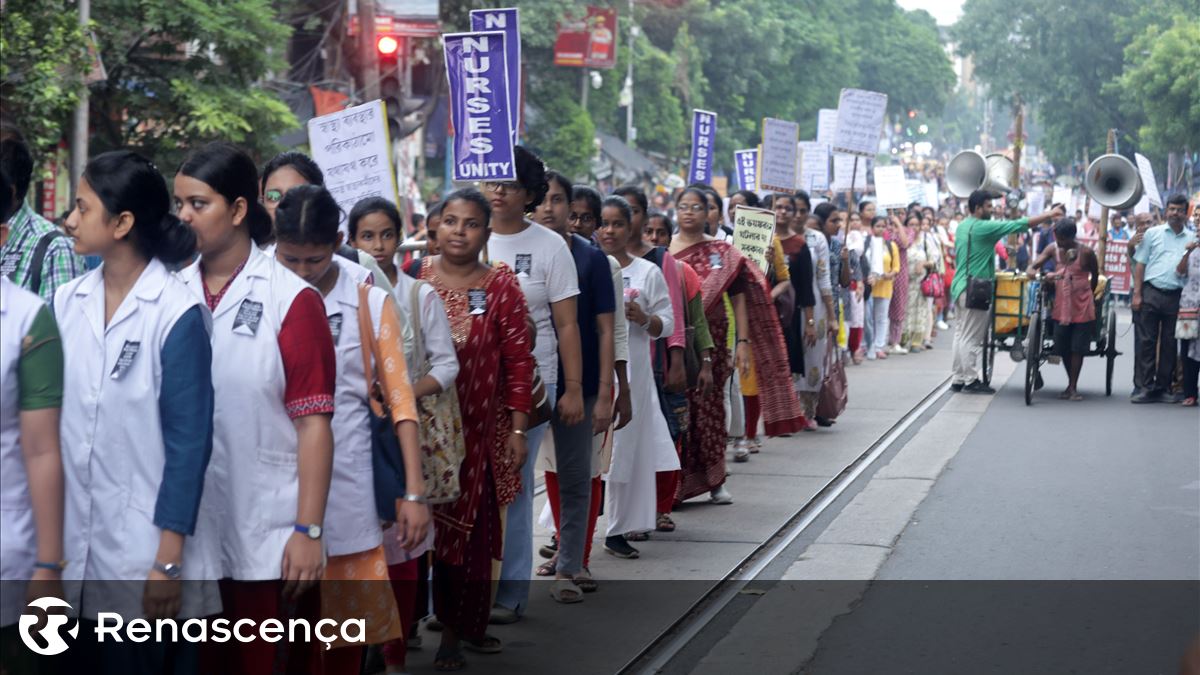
(644, 447)
(137, 411)
(273, 373)
(307, 238)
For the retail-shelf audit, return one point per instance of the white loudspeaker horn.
(1113, 181)
(999, 172)
(966, 173)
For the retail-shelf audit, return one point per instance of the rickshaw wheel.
(1033, 357)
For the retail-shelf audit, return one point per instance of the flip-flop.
(664, 524)
(585, 582)
(1066, 395)
(1076, 397)
(488, 645)
(449, 660)
(548, 568)
(566, 591)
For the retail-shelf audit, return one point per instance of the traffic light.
(390, 49)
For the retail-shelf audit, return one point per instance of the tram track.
(659, 652)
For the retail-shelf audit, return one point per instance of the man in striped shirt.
(38, 255)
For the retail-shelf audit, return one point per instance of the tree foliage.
(185, 72)
(43, 58)
(1162, 69)
(1086, 67)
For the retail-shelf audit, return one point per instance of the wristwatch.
(169, 570)
(312, 531)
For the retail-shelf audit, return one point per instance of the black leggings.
(1191, 369)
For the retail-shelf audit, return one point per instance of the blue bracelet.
(52, 566)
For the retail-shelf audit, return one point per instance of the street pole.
(1102, 233)
(368, 61)
(79, 125)
(633, 31)
(583, 89)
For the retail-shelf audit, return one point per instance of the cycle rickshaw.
(1019, 324)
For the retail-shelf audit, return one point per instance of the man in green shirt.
(974, 245)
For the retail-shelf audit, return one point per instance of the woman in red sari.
(487, 315)
(724, 270)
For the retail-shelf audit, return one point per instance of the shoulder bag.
(931, 285)
(978, 294)
(832, 399)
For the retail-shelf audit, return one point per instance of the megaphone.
(1113, 181)
(969, 171)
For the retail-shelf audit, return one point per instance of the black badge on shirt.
(335, 326)
(477, 301)
(524, 264)
(128, 351)
(248, 316)
(628, 282)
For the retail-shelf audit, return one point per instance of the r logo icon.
(50, 634)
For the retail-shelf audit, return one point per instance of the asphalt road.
(1061, 538)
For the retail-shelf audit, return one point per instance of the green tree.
(43, 58)
(185, 72)
(1160, 83)
(906, 61)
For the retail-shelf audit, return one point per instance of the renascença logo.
(51, 633)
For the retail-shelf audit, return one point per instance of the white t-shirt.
(544, 266)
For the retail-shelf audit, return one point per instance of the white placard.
(826, 125)
(1146, 169)
(1037, 203)
(859, 122)
(1143, 205)
(351, 147)
(814, 166)
(843, 165)
(891, 191)
(777, 161)
(915, 192)
(1093, 210)
(1062, 195)
(931, 193)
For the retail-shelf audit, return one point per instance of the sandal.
(548, 568)
(449, 660)
(665, 524)
(1189, 402)
(490, 644)
(585, 582)
(566, 591)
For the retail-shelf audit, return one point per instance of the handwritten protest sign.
(814, 166)
(859, 122)
(1094, 210)
(479, 106)
(353, 150)
(1146, 170)
(931, 193)
(1143, 205)
(1037, 203)
(753, 231)
(777, 161)
(1116, 264)
(746, 162)
(826, 125)
(704, 137)
(891, 192)
(843, 167)
(1062, 195)
(507, 21)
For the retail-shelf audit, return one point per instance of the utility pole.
(79, 125)
(368, 60)
(633, 33)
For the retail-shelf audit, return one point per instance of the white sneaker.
(897, 349)
(942, 325)
(741, 450)
(720, 496)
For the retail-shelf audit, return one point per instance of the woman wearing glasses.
(723, 270)
(546, 271)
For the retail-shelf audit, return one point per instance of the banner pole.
(853, 180)
(1102, 234)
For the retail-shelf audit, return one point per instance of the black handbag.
(979, 292)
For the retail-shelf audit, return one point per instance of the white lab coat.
(18, 536)
(112, 446)
(351, 523)
(252, 485)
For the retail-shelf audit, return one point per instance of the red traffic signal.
(387, 45)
